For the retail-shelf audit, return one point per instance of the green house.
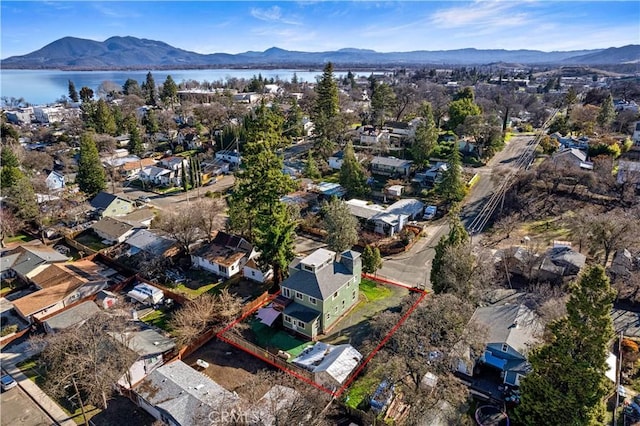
(321, 288)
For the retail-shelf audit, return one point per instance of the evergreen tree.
(293, 125)
(607, 113)
(340, 224)
(371, 259)
(73, 93)
(262, 182)
(86, 94)
(426, 137)
(104, 121)
(452, 187)
(22, 198)
(150, 122)
(352, 175)
(311, 170)
(10, 172)
(382, 100)
(135, 145)
(169, 93)
(131, 87)
(91, 177)
(568, 385)
(149, 90)
(457, 235)
(326, 110)
(184, 178)
(275, 240)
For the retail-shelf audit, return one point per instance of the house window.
(253, 273)
(299, 295)
(505, 347)
(335, 309)
(342, 303)
(335, 295)
(353, 295)
(300, 324)
(328, 315)
(286, 292)
(307, 268)
(222, 269)
(312, 300)
(287, 318)
(348, 283)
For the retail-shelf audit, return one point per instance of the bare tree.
(465, 273)
(617, 229)
(276, 398)
(10, 224)
(210, 218)
(431, 340)
(207, 311)
(87, 358)
(180, 225)
(507, 225)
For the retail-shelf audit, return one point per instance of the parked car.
(7, 382)
(143, 199)
(429, 212)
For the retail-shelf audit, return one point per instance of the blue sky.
(238, 26)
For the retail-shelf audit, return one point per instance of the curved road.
(413, 268)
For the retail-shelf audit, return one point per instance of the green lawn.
(192, 293)
(361, 389)
(158, 319)
(548, 230)
(270, 337)
(372, 291)
(20, 238)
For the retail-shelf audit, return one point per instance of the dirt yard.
(229, 367)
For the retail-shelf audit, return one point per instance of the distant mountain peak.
(127, 52)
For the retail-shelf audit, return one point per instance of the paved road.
(19, 409)
(414, 267)
(170, 200)
(482, 190)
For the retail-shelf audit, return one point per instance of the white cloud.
(481, 14)
(272, 14)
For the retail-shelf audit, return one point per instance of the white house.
(390, 220)
(230, 156)
(55, 181)
(254, 272)
(331, 365)
(146, 294)
(226, 255)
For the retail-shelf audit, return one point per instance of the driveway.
(413, 268)
(19, 409)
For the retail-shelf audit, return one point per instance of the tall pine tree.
(452, 187)
(568, 385)
(91, 176)
(326, 112)
(352, 176)
(426, 137)
(73, 93)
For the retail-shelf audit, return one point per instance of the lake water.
(46, 86)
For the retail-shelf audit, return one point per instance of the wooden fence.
(78, 246)
(196, 344)
(254, 304)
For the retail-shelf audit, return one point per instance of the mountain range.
(136, 53)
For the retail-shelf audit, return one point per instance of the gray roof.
(186, 395)
(574, 152)
(150, 242)
(319, 284)
(147, 341)
(567, 255)
(112, 228)
(514, 324)
(301, 312)
(73, 316)
(104, 199)
(33, 256)
(7, 261)
(390, 161)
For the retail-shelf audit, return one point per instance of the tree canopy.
(352, 174)
(91, 176)
(568, 384)
(340, 224)
(452, 187)
(426, 137)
